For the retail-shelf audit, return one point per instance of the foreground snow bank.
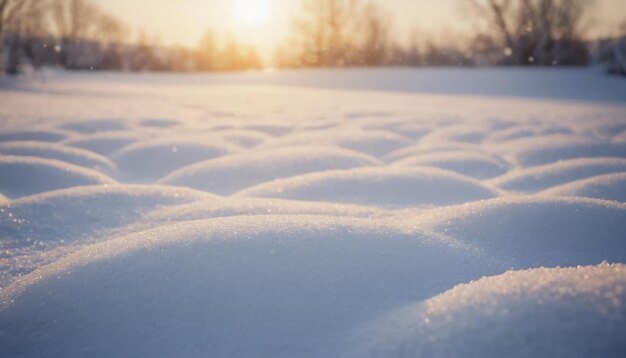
(557, 312)
(275, 286)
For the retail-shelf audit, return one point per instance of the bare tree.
(373, 45)
(73, 21)
(319, 34)
(112, 35)
(10, 10)
(207, 53)
(336, 33)
(542, 32)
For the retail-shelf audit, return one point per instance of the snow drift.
(276, 286)
(377, 186)
(547, 312)
(533, 231)
(607, 187)
(230, 174)
(22, 176)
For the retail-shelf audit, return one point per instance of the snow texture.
(377, 186)
(230, 174)
(148, 161)
(607, 187)
(546, 312)
(542, 177)
(280, 286)
(314, 213)
(22, 176)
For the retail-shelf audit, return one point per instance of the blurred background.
(235, 35)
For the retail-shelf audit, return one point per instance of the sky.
(183, 22)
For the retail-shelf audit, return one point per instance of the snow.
(542, 150)
(530, 232)
(472, 164)
(377, 186)
(546, 312)
(73, 213)
(83, 158)
(103, 143)
(229, 174)
(94, 125)
(316, 213)
(32, 135)
(372, 142)
(257, 206)
(542, 177)
(22, 176)
(607, 187)
(280, 286)
(147, 161)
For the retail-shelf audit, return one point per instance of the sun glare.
(251, 12)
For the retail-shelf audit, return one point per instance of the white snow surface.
(533, 313)
(321, 213)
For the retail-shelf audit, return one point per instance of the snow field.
(166, 216)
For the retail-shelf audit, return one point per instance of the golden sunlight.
(251, 12)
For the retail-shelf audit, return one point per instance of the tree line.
(77, 34)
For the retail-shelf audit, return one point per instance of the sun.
(251, 12)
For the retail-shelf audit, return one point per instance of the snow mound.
(272, 129)
(276, 286)
(524, 131)
(95, 125)
(23, 176)
(550, 149)
(243, 138)
(607, 187)
(555, 312)
(372, 142)
(473, 164)
(542, 177)
(377, 186)
(81, 157)
(256, 206)
(103, 143)
(534, 231)
(408, 129)
(460, 133)
(230, 174)
(71, 214)
(40, 135)
(158, 123)
(435, 147)
(150, 160)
